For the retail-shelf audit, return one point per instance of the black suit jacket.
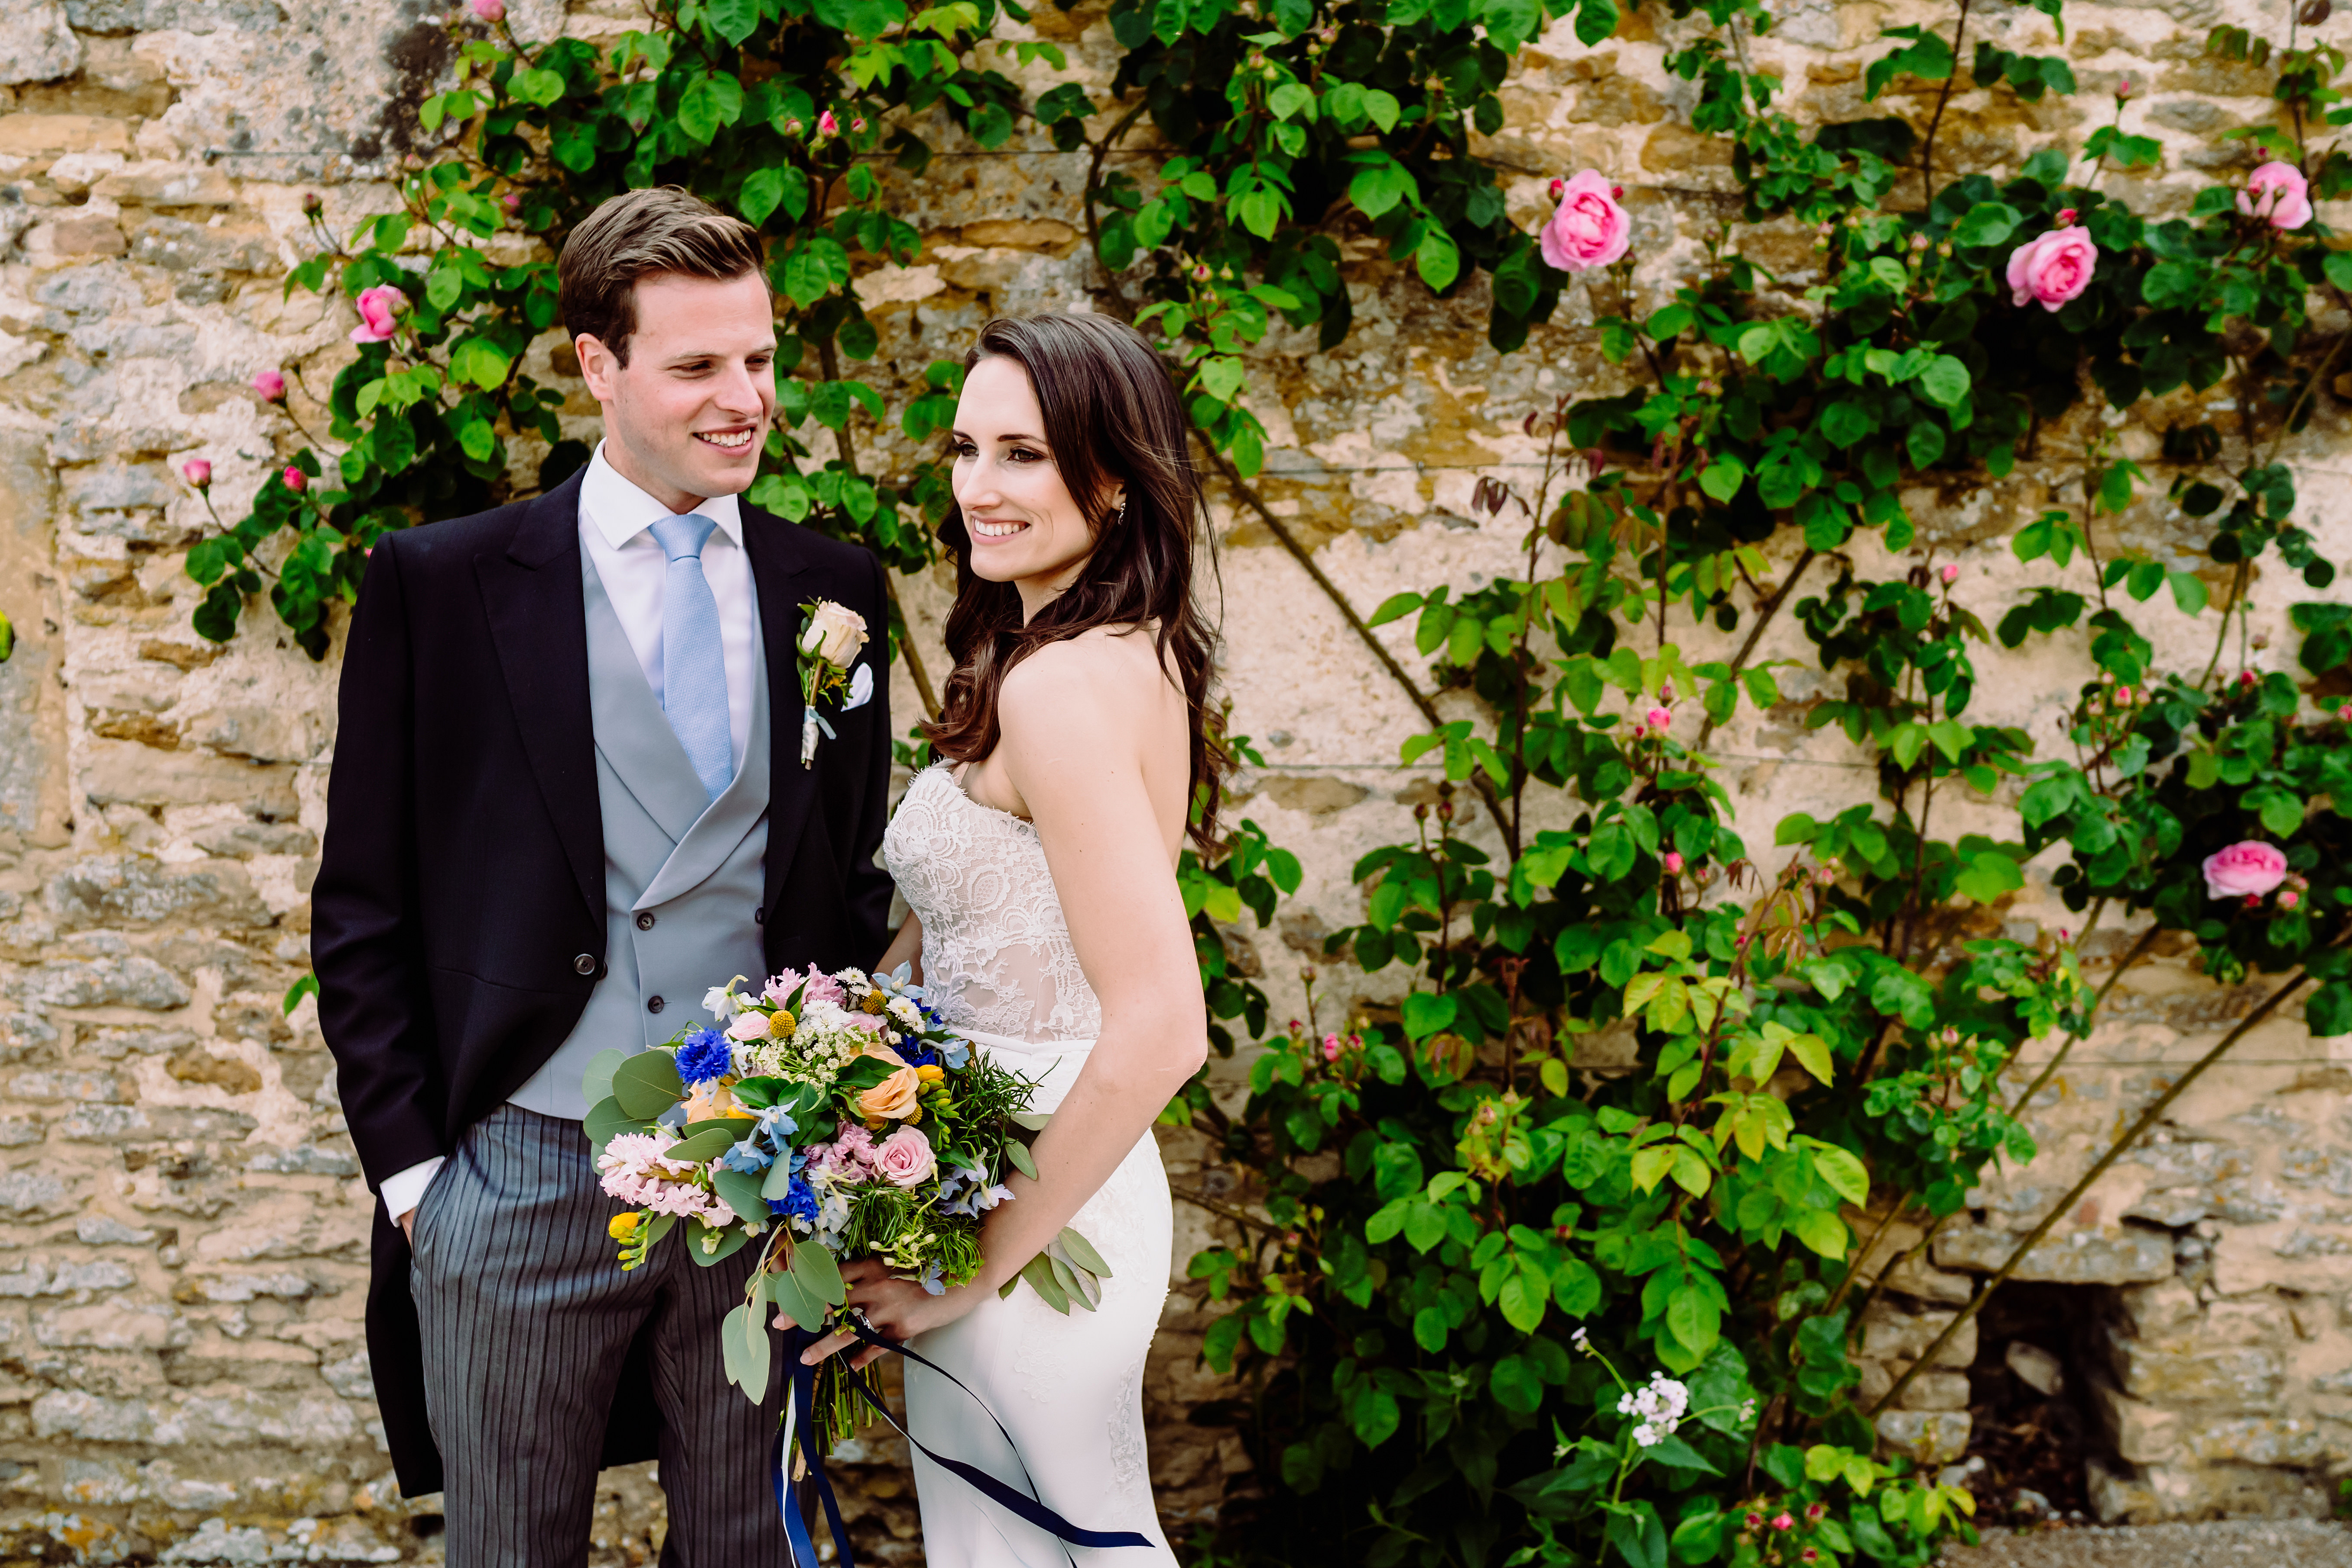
(457, 921)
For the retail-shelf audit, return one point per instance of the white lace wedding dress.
(999, 964)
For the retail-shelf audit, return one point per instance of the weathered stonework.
(183, 1374)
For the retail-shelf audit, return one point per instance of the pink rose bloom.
(379, 308)
(1590, 229)
(905, 1158)
(492, 11)
(1673, 862)
(1659, 719)
(2279, 194)
(2054, 268)
(748, 1027)
(1784, 1521)
(295, 480)
(2245, 870)
(197, 472)
(1330, 1047)
(270, 385)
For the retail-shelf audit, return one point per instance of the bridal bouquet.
(826, 1118)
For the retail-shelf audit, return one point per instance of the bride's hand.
(896, 1309)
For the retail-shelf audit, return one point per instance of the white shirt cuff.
(402, 1193)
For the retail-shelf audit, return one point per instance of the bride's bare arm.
(907, 947)
(1077, 723)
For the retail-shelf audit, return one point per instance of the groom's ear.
(599, 366)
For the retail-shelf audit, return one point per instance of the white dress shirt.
(616, 535)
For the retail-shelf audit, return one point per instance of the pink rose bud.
(794, 127)
(857, 124)
(2122, 694)
(1952, 575)
(2053, 269)
(827, 125)
(1658, 719)
(2289, 898)
(513, 200)
(1666, 691)
(491, 11)
(2250, 869)
(1784, 1522)
(197, 472)
(2124, 88)
(2066, 217)
(1556, 187)
(1590, 229)
(2278, 194)
(379, 309)
(270, 385)
(1755, 1520)
(1639, 731)
(1673, 862)
(1330, 1047)
(2245, 678)
(294, 479)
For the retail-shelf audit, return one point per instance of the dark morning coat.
(457, 921)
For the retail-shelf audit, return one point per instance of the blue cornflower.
(705, 1056)
(799, 1204)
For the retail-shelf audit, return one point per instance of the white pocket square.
(861, 687)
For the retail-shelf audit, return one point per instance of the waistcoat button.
(653, 1005)
(646, 922)
(584, 964)
(759, 917)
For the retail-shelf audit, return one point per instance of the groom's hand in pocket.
(407, 1224)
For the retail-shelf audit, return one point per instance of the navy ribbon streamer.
(1029, 1508)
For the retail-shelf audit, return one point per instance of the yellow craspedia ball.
(874, 1002)
(780, 1025)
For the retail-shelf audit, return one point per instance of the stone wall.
(182, 1368)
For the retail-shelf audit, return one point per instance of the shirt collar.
(620, 511)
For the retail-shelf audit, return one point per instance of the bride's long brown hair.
(1111, 417)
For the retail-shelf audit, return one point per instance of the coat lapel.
(776, 570)
(531, 595)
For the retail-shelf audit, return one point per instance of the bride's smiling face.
(1026, 527)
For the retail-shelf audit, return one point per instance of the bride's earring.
(1118, 512)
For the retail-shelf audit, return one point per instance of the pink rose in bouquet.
(905, 1159)
(2245, 870)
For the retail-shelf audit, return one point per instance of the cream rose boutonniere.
(831, 636)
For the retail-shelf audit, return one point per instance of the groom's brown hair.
(663, 228)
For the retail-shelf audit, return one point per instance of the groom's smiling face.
(685, 417)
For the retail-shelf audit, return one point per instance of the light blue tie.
(694, 665)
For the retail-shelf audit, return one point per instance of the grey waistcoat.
(683, 874)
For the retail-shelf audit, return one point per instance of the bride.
(1040, 866)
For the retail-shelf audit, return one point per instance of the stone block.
(1891, 1333)
(2122, 1255)
(74, 240)
(2035, 1367)
(2155, 1494)
(31, 1194)
(1937, 1390)
(138, 889)
(2138, 1431)
(109, 1326)
(1926, 1436)
(36, 43)
(160, 183)
(120, 980)
(124, 773)
(2219, 1378)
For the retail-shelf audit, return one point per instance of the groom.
(567, 799)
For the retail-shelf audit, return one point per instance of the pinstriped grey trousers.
(526, 1320)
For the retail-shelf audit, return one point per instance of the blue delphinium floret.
(705, 1056)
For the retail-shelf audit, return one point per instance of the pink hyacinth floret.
(632, 1169)
(823, 987)
(2245, 870)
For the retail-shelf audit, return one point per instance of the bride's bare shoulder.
(1106, 674)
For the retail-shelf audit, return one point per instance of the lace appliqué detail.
(997, 954)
